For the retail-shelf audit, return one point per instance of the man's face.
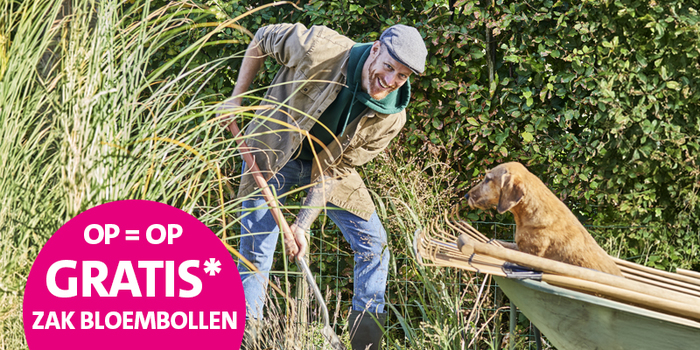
(381, 74)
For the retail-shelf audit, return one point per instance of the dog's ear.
(512, 192)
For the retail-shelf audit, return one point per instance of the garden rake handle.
(327, 331)
(282, 223)
(317, 292)
(260, 181)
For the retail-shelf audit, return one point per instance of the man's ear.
(512, 192)
(376, 46)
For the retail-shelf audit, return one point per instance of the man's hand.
(226, 108)
(296, 245)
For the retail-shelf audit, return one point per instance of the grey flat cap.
(405, 45)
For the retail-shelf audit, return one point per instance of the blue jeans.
(260, 233)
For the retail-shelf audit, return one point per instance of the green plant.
(436, 308)
(86, 119)
(596, 97)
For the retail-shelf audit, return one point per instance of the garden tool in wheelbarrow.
(316, 194)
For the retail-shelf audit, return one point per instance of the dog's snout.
(466, 196)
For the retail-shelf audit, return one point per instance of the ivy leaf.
(673, 85)
(450, 85)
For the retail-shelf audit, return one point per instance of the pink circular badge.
(134, 274)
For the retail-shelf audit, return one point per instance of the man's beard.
(374, 89)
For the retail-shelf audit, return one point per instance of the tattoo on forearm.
(315, 202)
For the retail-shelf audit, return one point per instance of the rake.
(327, 330)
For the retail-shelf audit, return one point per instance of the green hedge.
(598, 98)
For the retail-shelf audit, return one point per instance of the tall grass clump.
(92, 112)
(88, 116)
(442, 308)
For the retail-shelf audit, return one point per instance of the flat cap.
(405, 45)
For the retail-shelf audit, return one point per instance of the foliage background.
(597, 97)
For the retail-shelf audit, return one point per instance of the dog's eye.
(486, 180)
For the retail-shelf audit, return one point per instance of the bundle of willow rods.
(454, 243)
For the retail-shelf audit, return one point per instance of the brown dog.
(544, 225)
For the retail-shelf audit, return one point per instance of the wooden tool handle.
(260, 181)
(468, 246)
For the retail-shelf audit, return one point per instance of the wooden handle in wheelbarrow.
(592, 281)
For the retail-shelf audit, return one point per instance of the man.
(334, 105)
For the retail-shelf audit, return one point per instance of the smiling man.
(334, 105)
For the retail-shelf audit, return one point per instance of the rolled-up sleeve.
(291, 44)
(371, 141)
(274, 40)
(368, 141)
(351, 193)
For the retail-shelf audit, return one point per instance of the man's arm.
(372, 144)
(312, 207)
(252, 61)
(314, 203)
(295, 242)
(357, 156)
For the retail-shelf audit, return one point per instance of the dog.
(545, 226)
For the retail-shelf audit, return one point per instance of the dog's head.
(502, 188)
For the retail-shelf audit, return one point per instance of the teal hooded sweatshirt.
(351, 102)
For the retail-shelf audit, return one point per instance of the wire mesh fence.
(480, 309)
(331, 261)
